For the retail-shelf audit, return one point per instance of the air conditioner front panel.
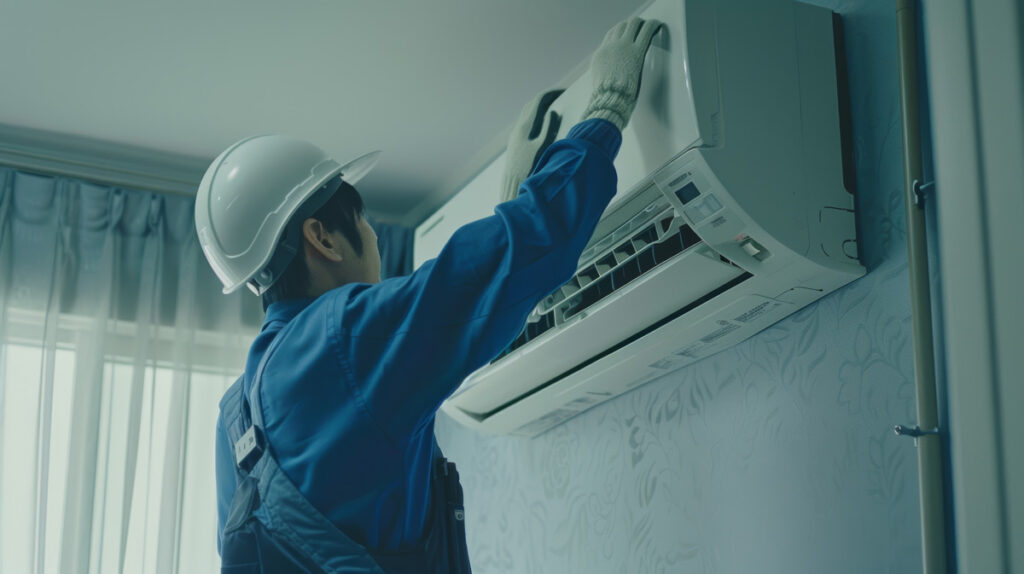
(677, 109)
(669, 116)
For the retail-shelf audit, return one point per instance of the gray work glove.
(616, 69)
(532, 134)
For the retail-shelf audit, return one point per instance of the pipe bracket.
(920, 190)
(914, 431)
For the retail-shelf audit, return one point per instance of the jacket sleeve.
(407, 343)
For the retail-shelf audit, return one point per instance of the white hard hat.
(249, 196)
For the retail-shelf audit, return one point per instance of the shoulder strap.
(234, 420)
(255, 407)
(250, 445)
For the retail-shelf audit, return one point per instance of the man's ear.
(320, 241)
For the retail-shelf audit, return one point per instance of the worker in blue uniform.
(326, 459)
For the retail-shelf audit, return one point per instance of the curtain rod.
(111, 164)
(98, 161)
(95, 174)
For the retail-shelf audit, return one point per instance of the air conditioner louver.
(618, 268)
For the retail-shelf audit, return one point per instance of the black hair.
(341, 212)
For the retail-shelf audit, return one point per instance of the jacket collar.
(284, 311)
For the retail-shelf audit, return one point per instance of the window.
(132, 447)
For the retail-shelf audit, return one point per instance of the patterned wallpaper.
(775, 456)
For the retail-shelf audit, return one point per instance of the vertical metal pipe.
(929, 455)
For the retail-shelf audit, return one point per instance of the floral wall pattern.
(775, 456)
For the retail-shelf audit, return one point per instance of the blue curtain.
(115, 345)
(395, 243)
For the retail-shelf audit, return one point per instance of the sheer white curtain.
(115, 347)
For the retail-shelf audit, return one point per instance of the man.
(326, 458)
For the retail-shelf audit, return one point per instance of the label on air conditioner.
(717, 329)
(749, 311)
(759, 310)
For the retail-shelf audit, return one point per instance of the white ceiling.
(432, 83)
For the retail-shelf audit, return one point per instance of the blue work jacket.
(350, 395)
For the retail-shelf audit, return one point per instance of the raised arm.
(407, 343)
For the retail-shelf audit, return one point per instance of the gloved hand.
(532, 134)
(616, 69)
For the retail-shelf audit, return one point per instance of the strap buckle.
(249, 448)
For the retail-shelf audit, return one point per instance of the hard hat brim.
(357, 169)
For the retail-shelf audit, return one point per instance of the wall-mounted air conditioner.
(731, 213)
